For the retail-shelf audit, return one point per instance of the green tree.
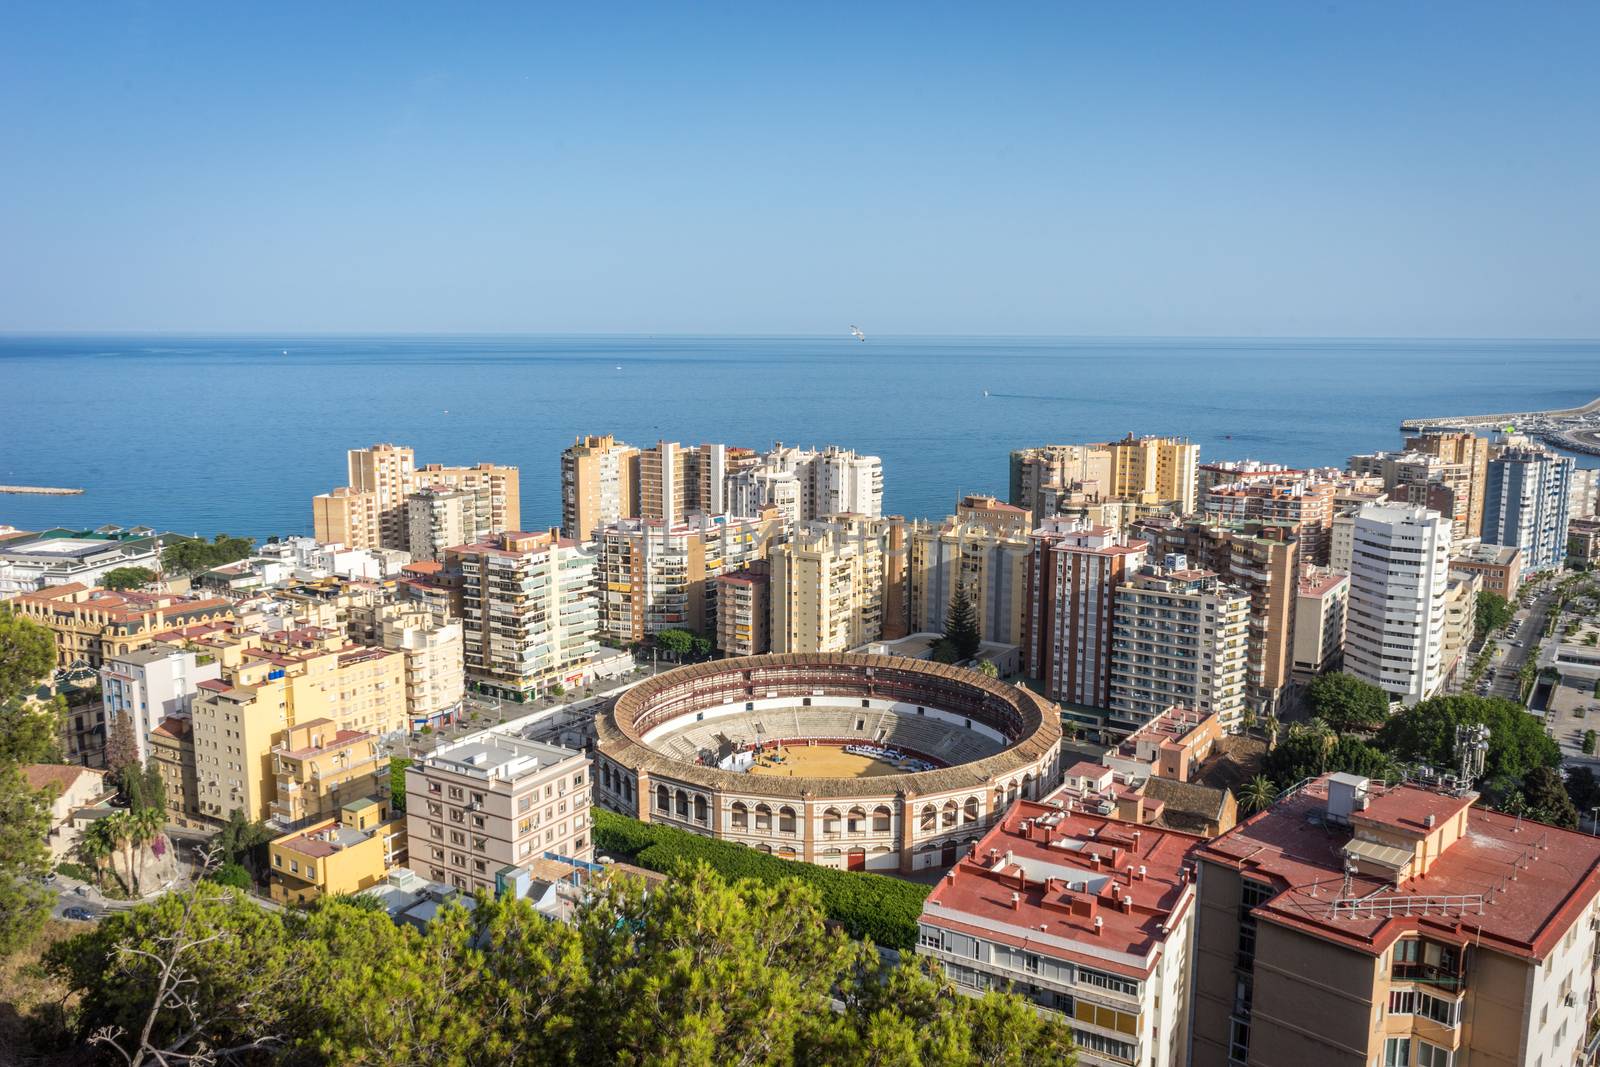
(1346, 703)
(1583, 788)
(1311, 749)
(203, 973)
(127, 578)
(961, 626)
(27, 655)
(1547, 798)
(944, 651)
(1426, 733)
(397, 783)
(30, 730)
(1588, 742)
(1492, 612)
(988, 669)
(193, 555)
(122, 746)
(1257, 794)
(677, 641)
(243, 840)
(231, 875)
(24, 859)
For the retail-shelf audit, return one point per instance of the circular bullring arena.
(844, 760)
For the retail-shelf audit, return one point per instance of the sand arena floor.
(822, 761)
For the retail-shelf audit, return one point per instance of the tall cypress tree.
(961, 623)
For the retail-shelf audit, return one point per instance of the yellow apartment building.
(337, 856)
(318, 768)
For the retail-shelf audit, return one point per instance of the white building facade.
(1394, 626)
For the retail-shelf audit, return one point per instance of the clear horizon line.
(842, 336)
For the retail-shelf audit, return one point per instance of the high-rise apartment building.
(1179, 637)
(1321, 601)
(1394, 630)
(372, 512)
(1353, 925)
(744, 610)
(529, 613)
(435, 659)
(438, 517)
(992, 565)
(150, 685)
(1085, 917)
(1262, 559)
(1153, 473)
(1302, 504)
(1006, 520)
(805, 485)
(1471, 453)
(1426, 479)
(675, 482)
(476, 807)
(1074, 571)
(270, 682)
(656, 576)
(830, 584)
(599, 485)
(318, 768)
(1526, 504)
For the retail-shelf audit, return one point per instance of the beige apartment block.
(91, 625)
(438, 517)
(371, 510)
(1179, 636)
(744, 610)
(991, 563)
(1263, 559)
(828, 587)
(1460, 622)
(502, 485)
(293, 677)
(318, 768)
(348, 517)
(599, 485)
(1470, 453)
(434, 652)
(1321, 599)
(1301, 503)
(529, 615)
(172, 754)
(1353, 924)
(1152, 473)
(478, 806)
(675, 482)
(656, 576)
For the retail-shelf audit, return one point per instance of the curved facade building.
(669, 747)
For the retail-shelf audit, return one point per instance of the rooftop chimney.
(1016, 899)
(1098, 923)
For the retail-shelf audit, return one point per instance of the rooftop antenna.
(1472, 745)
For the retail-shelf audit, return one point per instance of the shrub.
(230, 874)
(868, 906)
(1588, 742)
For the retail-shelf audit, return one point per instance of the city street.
(1529, 624)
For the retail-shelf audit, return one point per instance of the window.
(1432, 1055)
(1402, 1002)
(1238, 1040)
(1397, 1052)
(1444, 1012)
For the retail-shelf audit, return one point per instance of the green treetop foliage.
(1310, 749)
(243, 840)
(24, 859)
(193, 555)
(961, 626)
(1545, 795)
(699, 971)
(1493, 612)
(397, 783)
(1347, 704)
(127, 578)
(27, 655)
(1426, 733)
(30, 730)
(683, 642)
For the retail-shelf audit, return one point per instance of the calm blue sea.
(206, 434)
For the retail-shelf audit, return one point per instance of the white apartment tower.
(1399, 571)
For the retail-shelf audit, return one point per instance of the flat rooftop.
(1040, 878)
(498, 756)
(1533, 880)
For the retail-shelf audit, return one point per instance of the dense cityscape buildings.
(1140, 631)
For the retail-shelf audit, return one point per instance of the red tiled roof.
(177, 729)
(1292, 846)
(61, 775)
(1043, 874)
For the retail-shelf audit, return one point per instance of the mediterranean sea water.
(235, 434)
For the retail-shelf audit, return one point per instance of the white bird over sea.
(855, 331)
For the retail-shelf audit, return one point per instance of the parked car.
(77, 914)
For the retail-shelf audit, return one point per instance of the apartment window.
(1238, 1040)
(1397, 1052)
(436, 832)
(277, 861)
(1402, 1002)
(1106, 1018)
(1444, 1012)
(455, 792)
(1432, 1055)
(524, 803)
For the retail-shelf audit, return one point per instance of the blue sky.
(1277, 169)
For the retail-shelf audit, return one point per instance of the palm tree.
(94, 848)
(1258, 794)
(144, 826)
(118, 830)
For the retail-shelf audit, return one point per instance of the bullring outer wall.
(900, 822)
